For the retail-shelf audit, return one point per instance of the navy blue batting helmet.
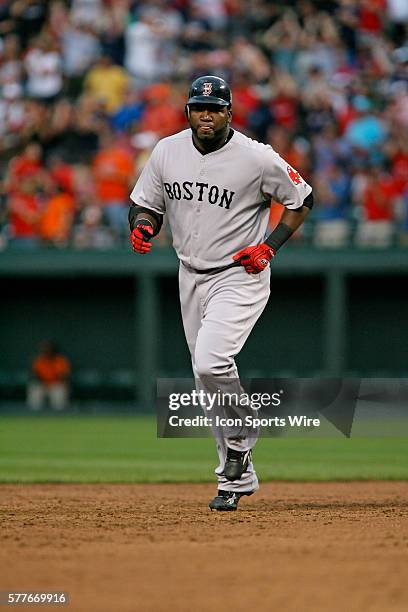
(210, 89)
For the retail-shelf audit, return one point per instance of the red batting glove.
(255, 258)
(140, 238)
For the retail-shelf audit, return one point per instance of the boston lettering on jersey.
(199, 191)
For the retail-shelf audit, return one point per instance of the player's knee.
(206, 366)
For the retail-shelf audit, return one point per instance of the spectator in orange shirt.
(51, 372)
(56, 221)
(113, 171)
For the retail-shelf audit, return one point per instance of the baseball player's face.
(209, 123)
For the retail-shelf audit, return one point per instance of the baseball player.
(215, 185)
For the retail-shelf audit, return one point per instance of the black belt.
(234, 264)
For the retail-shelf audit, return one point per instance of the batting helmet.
(210, 89)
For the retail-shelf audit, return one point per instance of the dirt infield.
(303, 547)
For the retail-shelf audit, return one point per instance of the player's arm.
(144, 224)
(285, 185)
(138, 214)
(147, 208)
(290, 221)
(256, 258)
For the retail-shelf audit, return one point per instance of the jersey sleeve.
(282, 182)
(148, 191)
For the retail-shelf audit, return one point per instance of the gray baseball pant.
(219, 312)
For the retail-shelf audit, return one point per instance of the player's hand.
(140, 238)
(255, 258)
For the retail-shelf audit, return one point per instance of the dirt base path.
(118, 548)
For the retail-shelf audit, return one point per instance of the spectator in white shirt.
(43, 65)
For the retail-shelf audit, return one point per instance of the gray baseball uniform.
(217, 204)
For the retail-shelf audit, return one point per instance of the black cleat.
(227, 501)
(236, 463)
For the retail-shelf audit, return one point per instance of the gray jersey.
(218, 203)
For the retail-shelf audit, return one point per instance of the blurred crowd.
(89, 86)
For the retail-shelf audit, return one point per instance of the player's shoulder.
(174, 139)
(170, 146)
(241, 140)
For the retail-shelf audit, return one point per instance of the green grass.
(125, 449)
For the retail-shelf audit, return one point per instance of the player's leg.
(193, 298)
(191, 306)
(233, 302)
(227, 306)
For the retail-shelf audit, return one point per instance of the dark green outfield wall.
(117, 316)
(89, 318)
(378, 325)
